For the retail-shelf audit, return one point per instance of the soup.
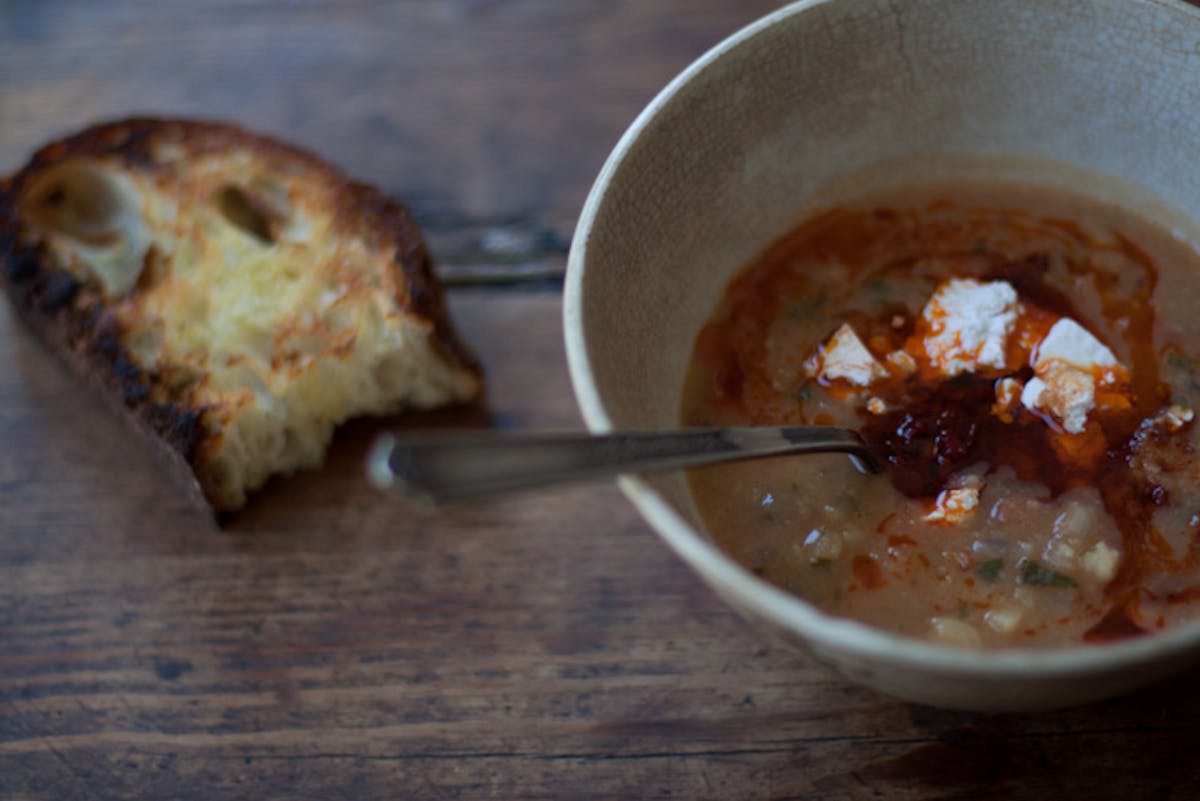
(1023, 361)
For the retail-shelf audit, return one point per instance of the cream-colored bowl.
(824, 99)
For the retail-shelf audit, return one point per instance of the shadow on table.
(1142, 746)
(338, 488)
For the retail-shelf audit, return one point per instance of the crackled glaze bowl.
(823, 99)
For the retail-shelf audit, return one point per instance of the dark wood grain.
(331, 643)
(490, 118)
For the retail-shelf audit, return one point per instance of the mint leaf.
(990, 570)
(1042, 576)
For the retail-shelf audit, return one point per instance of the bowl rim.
(783, 609)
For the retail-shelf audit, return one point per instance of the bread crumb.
(1101, 561)
(823, 545)
(1174, 417)
(955, 632)
(902, 363)
(1008, 395)
(1003, 619)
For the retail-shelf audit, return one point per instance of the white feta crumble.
(953, 506)
(1069, 395)
(1065, 364)
(969, 323)
(877, 406)
(1070, 343)
(846, 357)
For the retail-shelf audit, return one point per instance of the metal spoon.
(447, 467)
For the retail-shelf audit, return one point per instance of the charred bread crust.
(87, 341)
(76, 323)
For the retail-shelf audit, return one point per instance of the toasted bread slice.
(236, 296)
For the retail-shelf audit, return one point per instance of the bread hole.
(94, 214)
(78, 200)
(246, 212)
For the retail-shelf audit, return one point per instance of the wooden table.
(330, 643)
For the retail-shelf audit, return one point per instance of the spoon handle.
(447, 467)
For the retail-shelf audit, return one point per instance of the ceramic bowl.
(824, 99)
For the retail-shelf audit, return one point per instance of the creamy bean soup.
(1025, 364)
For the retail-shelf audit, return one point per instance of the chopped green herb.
(1042, 576)
(979, 247)
(1180, 364)
(1177, 361)
(821, 563)
(990, 570)
(805, 307)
